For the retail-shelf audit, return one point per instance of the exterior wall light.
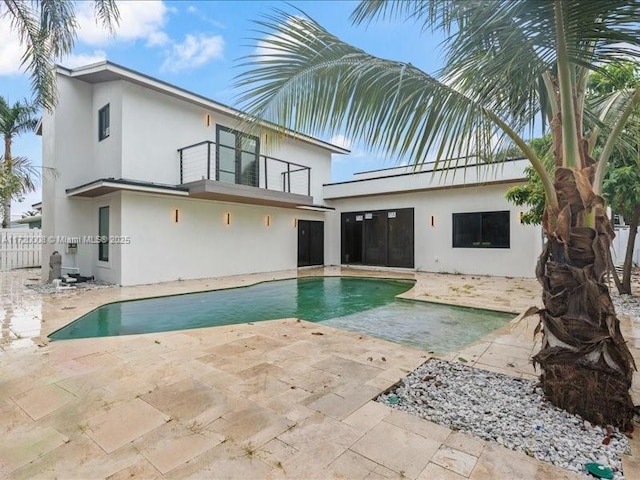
(520, 216)
(267, 220)
(207, 120)
(176, 215)
(294, 223)
(227, 218)
(433, 221)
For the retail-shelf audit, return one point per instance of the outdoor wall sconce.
(207, 120)
(267, 220)
(176, 215)
(521, 215)
(227, 218)
(433, 221)
(294, 223)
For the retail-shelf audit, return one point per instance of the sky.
(197, 45)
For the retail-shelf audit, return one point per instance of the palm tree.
(509, 66)
(18, 174)
(47, 29)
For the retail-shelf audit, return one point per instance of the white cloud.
(82, 59)
(138, 20)
(194, 52)
(10, 49)
(157, 39)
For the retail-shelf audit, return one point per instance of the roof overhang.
(106, 186)
(106, 71)
(316, 208)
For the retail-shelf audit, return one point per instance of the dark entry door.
(310, 243)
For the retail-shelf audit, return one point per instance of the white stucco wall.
(156, 125)
(200, 245)
(105, 161)
(433, 245)
(67, 140)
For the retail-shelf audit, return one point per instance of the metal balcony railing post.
(266, 176)
(208, 160)
(181, 169)
(308, 182)
(288, 177)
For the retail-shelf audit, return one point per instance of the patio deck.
(277, 399)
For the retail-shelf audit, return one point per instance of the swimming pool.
(361, 304)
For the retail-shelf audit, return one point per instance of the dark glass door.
(237, 156)
(375, 238)
(381, 238)
(400, 236)
(310, 243)
(352, 227)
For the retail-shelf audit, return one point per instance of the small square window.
(103, 122)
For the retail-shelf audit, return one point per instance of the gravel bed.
(48, 288)
(506, 410)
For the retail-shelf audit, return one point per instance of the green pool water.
(359, 304)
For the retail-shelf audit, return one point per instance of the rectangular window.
(103, 122)
(237, 157)
(481, 230)
(103, 233)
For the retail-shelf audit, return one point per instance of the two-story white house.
(155, 183)
(171, 184)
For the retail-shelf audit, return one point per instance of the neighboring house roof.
(106, 71)
(27, 220)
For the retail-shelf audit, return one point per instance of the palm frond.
(17, 118)
(107, 13)
(38, 56)
(25, 175)
(509, 45)
(313, 82)
(47, 31)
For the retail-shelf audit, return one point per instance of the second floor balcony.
(236, 172)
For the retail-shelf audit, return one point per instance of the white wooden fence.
(20, 248)
(619, 246)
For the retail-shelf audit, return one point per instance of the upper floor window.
(237, 155)
(103, 122)
(481, 230)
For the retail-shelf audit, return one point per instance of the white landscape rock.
(511, 411)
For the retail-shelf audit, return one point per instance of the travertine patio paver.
(397, 449)
(26, 445)
(41, 401)
(115, 428)
(433, 471)
(455, 460)
(265, 400)
(174, 444)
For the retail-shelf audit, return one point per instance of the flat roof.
(106, 71)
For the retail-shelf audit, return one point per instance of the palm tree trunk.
(586, 365)
(628, 258)
(6, 207)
